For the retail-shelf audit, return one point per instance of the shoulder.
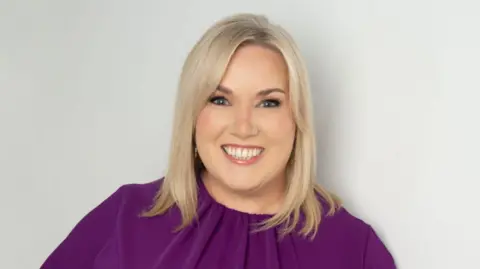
(348, 234)
(91, 234)
(345, 226)
(340, 221)
(139, 193)
(135, 198)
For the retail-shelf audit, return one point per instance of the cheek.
(210, 125)
(279, 127)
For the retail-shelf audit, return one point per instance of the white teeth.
(242, 153)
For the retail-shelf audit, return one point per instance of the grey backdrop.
(86, 99)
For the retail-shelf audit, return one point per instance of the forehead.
(256, 67)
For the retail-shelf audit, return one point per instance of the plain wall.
(87, 91)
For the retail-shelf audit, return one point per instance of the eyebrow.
(264, 92)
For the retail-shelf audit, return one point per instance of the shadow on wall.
(327, 76)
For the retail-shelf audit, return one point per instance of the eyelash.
(272, 103)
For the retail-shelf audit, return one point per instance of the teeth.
(242, 153)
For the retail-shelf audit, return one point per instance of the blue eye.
(270, 103)
(219, 100)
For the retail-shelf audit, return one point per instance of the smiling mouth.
(244, 154)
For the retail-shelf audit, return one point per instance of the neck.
(265, 199)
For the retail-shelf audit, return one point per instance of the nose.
(243, 125)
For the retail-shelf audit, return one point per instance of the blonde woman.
(240, 188)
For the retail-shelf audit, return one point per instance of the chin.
(242, 186)
(241, 183)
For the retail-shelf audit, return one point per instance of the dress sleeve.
(80, 248)
(377, 255)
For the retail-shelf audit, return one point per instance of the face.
(245, 133)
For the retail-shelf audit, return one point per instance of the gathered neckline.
(205, 195)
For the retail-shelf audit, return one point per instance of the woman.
(240, 189)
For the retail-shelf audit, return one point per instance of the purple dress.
(114, 236)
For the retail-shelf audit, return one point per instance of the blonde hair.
(201, 74)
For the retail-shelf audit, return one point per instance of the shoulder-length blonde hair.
(201, 74)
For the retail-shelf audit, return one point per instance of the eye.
(219, 101)
(270, 103)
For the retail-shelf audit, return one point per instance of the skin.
(249, 108)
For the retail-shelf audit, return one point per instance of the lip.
(242, 162)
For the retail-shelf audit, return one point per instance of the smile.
(242, 154)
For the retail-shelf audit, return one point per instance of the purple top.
(114, 236)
